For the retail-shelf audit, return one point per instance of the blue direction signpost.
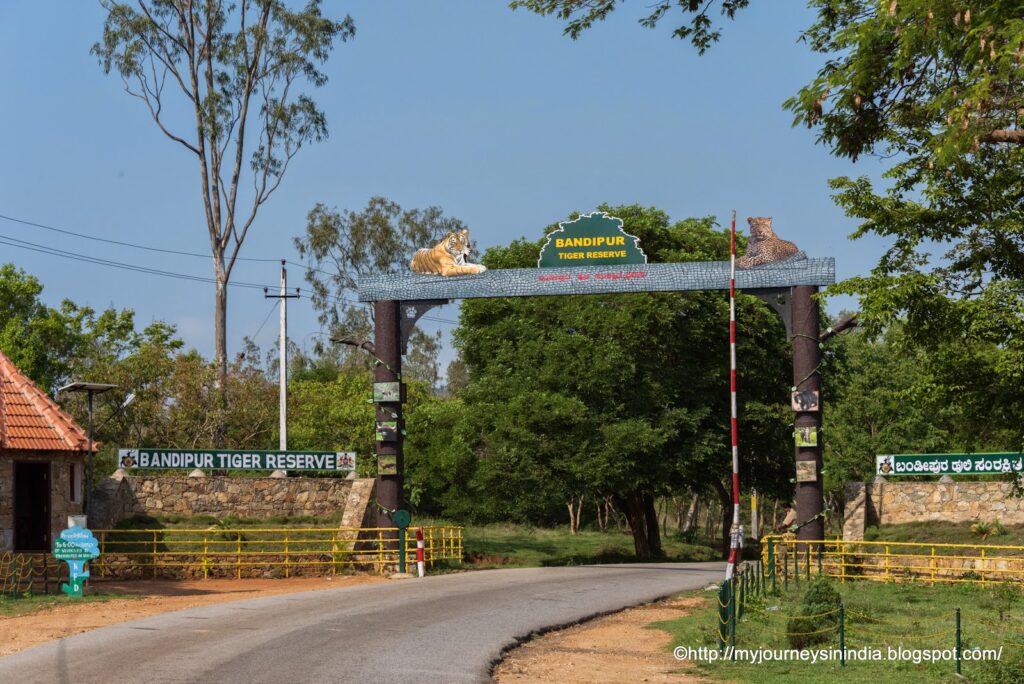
(76, 546)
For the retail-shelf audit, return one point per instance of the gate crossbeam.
(539, 282)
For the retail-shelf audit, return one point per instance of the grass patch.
(518, 546)
(879, 616)
(945, 533)
(34, 603)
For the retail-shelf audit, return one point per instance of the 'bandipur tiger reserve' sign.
(595, 239)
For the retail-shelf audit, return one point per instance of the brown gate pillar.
(806, 357)
(387, 348)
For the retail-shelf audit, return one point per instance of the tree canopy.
(938, 88)
(609, 395)
(701, 29)
(342, 245)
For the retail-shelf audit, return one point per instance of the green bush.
(817, 619)
(1008, 671)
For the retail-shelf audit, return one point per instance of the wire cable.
(84, 236)
(85, 258)
(277, 302)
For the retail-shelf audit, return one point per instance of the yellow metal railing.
(29, 573)
(284, 552)
(887, 561)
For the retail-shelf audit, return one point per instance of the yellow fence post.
(982, 567)
(154, 554)
(286, 557)
(238, 554)
(206, 560)
(886, 562)
(933, 567)
(380, 551)
(334, 553)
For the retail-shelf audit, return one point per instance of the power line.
(118, 242)
(260, 329)
(161, 250)
(85, 258)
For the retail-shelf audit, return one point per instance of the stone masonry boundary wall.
(122, 496)
(881, 502)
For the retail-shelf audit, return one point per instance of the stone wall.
(60, 489)
(121, 496)
(881, 502)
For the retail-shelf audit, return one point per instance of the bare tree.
(239, 68)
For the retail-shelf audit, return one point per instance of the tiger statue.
(764, 246)
(448, 258)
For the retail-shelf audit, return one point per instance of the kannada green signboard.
(949, 464)
(236, 460)
(595, 239)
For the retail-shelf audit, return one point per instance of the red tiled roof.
(30, 420)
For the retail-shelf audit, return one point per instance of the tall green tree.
(938, 88)
(237, 69)
(613, 395)
(887, 395)
(39, 339)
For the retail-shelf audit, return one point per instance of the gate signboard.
(949, 464)
(212, 459)
(595, 239)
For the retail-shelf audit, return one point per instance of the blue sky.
(492, 114)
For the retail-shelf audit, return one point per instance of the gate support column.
(806, 357)
(387, 348)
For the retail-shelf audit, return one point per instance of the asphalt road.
(449, 628)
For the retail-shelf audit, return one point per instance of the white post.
(284, 358)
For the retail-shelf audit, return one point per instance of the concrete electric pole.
(284, 297)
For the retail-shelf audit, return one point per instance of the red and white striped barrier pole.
(419, 551)
(736, 534)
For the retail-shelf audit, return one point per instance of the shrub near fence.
(265, 552)
(823, 620)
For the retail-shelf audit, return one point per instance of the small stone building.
(42, 464)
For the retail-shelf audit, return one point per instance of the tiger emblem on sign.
(447, 258)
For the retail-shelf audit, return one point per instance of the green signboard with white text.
(949, 464)
(595, 239)
(236, 460)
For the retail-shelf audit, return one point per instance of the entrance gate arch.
(787, 286)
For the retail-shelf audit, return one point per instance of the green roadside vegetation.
(24, 604)
(519, 546)
(878, 616)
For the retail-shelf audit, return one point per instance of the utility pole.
(283, 297)
(806, 360)
(388, 352)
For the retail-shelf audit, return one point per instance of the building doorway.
(31, 506)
